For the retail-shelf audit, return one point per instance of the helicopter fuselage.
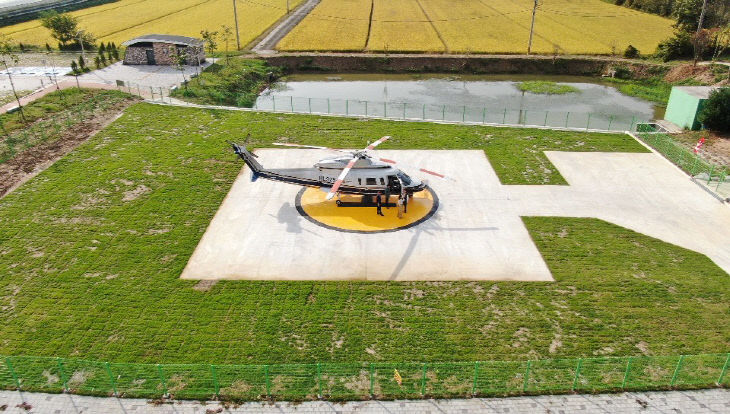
(367, 176)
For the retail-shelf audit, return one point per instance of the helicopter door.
(370, 181)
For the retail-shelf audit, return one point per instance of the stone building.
(157, 49)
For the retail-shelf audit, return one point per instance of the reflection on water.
(490, 92)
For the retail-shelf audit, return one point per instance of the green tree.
(63, 27)
(226, 37)
(210, 40)
(7, 55)
(716, 113)
(179, 58)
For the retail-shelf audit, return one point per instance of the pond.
(470, 98)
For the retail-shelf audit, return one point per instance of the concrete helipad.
(476, 233)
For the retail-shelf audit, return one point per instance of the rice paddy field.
(475, 26)
(126, 19)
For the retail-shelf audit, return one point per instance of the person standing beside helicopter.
(378, 201)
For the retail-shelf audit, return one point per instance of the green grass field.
(91, 251)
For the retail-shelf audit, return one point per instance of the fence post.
(626, 375)
(463, 114)
(443, 113)
(111, 378)
(476, 375)
(291, 103)
(709, 175)
(546, 117)
(694, 164)
(268, 383)
(310, 106)
(162, 380)
(216, 386)
(347, 107)
(404, 110)
(527, 376)
(610, 121)
(162, 97)
(588, 124)
(273, 103)
(424, 112)
(423, 380)
(719, 380)
(566, 119)
(504, 118)
(64, 379)
(577, 373)
(17, 380)
(633, 121)
(676, 370)
(720, 179)
(366, 109)
(484, 115)
(372, 378)
(152, 93)
(319, 380)
(385, 110)
(328, 105)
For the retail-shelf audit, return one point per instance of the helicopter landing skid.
(364, 202)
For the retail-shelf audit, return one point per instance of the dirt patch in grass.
(716, 148)
(32, 161)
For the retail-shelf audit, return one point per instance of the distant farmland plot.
(127, 19)
(478, 26)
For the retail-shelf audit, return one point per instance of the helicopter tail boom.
(248, 157)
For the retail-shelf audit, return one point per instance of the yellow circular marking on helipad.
(352, 217)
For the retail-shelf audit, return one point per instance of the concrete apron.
(477, 232)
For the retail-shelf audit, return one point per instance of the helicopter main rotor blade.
(285, 144)
(340, 179)
(378, 142)
(423, 170)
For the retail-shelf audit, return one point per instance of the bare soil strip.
(33, 161)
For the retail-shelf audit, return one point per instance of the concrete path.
(267, 44)
(143, 75)
(696, 402)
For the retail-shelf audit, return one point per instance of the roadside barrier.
(348, 381)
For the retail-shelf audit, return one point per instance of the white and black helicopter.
(356, 173)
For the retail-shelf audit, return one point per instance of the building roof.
(160, 38)
(702, 92)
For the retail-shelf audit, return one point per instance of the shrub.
(677, 46)
(631, 52)
(716, 113)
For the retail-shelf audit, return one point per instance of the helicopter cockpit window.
(370, 181)
(382, 181)
(406, 180)
(359, 181)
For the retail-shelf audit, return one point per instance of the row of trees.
(702, 30)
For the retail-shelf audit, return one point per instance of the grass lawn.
(91, 251)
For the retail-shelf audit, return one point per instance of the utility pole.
(235, 16)
(287, 6)
(532, 26)
(702, 16)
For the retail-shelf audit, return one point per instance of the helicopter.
(356, 173)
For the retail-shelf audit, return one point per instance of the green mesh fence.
(711, 174)
(353, 381)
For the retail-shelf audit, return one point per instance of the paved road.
(269, 42)
(702, 401)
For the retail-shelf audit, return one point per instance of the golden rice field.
(476, 26)
(126, 19)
